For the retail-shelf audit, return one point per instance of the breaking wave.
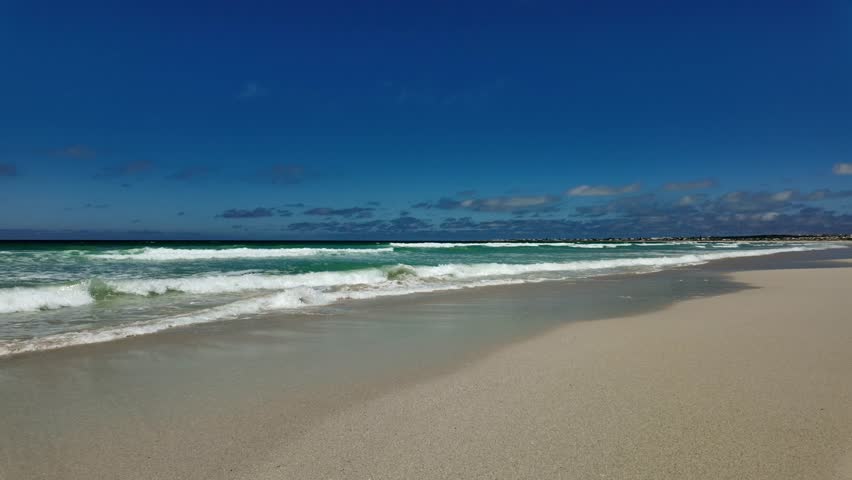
(505, 244)
(282, 292)
(23, 299)
(291, 299)
(296, 291)
(166, 254)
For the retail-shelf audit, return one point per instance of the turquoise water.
(59, 294)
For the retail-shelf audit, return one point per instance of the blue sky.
(462, 119)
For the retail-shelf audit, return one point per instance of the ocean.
(54, 295)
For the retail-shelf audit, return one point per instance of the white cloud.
(688, 200)
(509, 204)
(602, 190)
(842, 169)
(783, 196)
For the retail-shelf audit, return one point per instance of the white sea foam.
(291, 299)
(281, 300)
(50, 297)
(505, 244)
(318, 288)
(166, 254)
(504, 269)
(25, 299)
(657, 243)
(460, 244)
(212, 284)
(598, 245)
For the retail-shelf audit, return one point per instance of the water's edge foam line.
(174, 254)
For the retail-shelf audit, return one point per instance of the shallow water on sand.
(58, 295)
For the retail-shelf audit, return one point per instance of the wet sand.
(746, 376)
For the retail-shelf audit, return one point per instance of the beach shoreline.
(138, 292)
(810, 258)
(243, 429)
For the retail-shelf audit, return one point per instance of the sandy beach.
(751, 385)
